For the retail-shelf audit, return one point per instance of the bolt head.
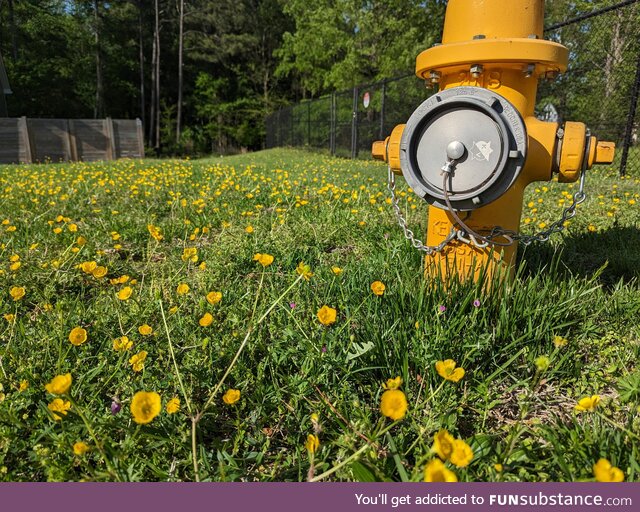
(476, 70)
(455, 150)
(435, 76)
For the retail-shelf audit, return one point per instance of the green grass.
(326, 212)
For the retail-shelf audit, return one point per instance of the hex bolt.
(529, 70)
(476, 70)
(435, 76)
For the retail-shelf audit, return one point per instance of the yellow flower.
(81, 241)
(264, 259)
(588, 403)
(214, 297)
(173, 406)
(23, 386)
(393, 383)
(336, 270)
(435, 471)
(60, 384)
(137, 360)
(249, 229)
(88, 266)
(119, 280)
(327, 315)
(443, 444)
(145, 330)
(15, 266)
(447, 370)
(155, 232)
(99, 272)
(73, 228)
(206, 320)
(14, 257)
(59, 405)
(80, 448)
(393, 404)
(77, 336)
(462, 453)
(304, 270)
(378, 288)
(498, 467)
(605, 472)
(145, 406)
(231, 396)
(559, 341)
(122, 343)
(182, 289)
(9, 317)
(17, 292)
(190, 254)
(312, 444)
(125, 293)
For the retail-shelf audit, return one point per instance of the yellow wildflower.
(182, 289)
(145, 330)
(59, 406)
(214, 297)
(588, 403)
(605, 472)
(393, 383)
(377, 287)
(393, 404)
(336, 270)
(443, 444)
(559, 341)
(137, 360)
(462, 453)
(327, 315)
(155, 232)
(206, 320)
(447, 370)
(15, 266)
(190, 254)
(17, 292)
(312, 444)
(80, 448)
(99, 272)
(264, 259)
(78, 336)
(125, 293)
(24, 384)
(88, 266)
(304, 270)
(145, 406)
(122, 343)
(9, 317)
(249, 229)
(231, 396)
(435, 471)
(173, 406)
(60, 384)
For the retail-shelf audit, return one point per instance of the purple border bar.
(322, 497)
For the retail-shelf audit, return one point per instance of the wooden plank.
(111, 150)
(73, 147)
(140, 133)
(23, 126)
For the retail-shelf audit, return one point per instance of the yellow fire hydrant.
(471, 149)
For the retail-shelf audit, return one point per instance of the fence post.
(309, 123)
(630, 120)
(332, 125)
(71, 141)
(354, 125)
(384, 96)
(26, 139)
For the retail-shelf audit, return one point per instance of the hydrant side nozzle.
(379, 150)
(605, 152)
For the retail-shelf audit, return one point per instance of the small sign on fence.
(366, 99)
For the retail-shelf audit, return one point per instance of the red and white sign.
(366, 99)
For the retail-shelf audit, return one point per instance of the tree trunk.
(157, 38)
(98, 110)
(141, 57)
(152, 106)
(14, 37)
(180, 50)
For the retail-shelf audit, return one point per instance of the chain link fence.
(600, 88)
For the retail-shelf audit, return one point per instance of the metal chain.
(497, 232)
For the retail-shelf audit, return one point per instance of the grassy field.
(142, 276)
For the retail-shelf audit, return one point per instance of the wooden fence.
(25, 140)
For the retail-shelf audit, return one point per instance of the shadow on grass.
(582, 255)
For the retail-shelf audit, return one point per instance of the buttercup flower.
(327, 315)
(559, 341)
(443, 444)
(99, 272)
(145, 406)
(336, 270)
(393, 383)
(378, 288)
(59, 385)
(587, 403)
(173, 406)
(264, 259)
(17, 292)
(155, 232)
(77, 336)
(214, 297)
(88, 266)
(59, 406)
(80, 448)
(137, 360)
(190, 254)
(304, 270)
(125, 293)
(122, 343)
(231, 396)
(145, 330)
(182, 289)
(312, 444)
(447, 370)
(605, 472)
(206, 320)
(435, 471)
(24, 384)
(393, 404)
(462, 453)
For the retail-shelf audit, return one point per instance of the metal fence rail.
(600, 88)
